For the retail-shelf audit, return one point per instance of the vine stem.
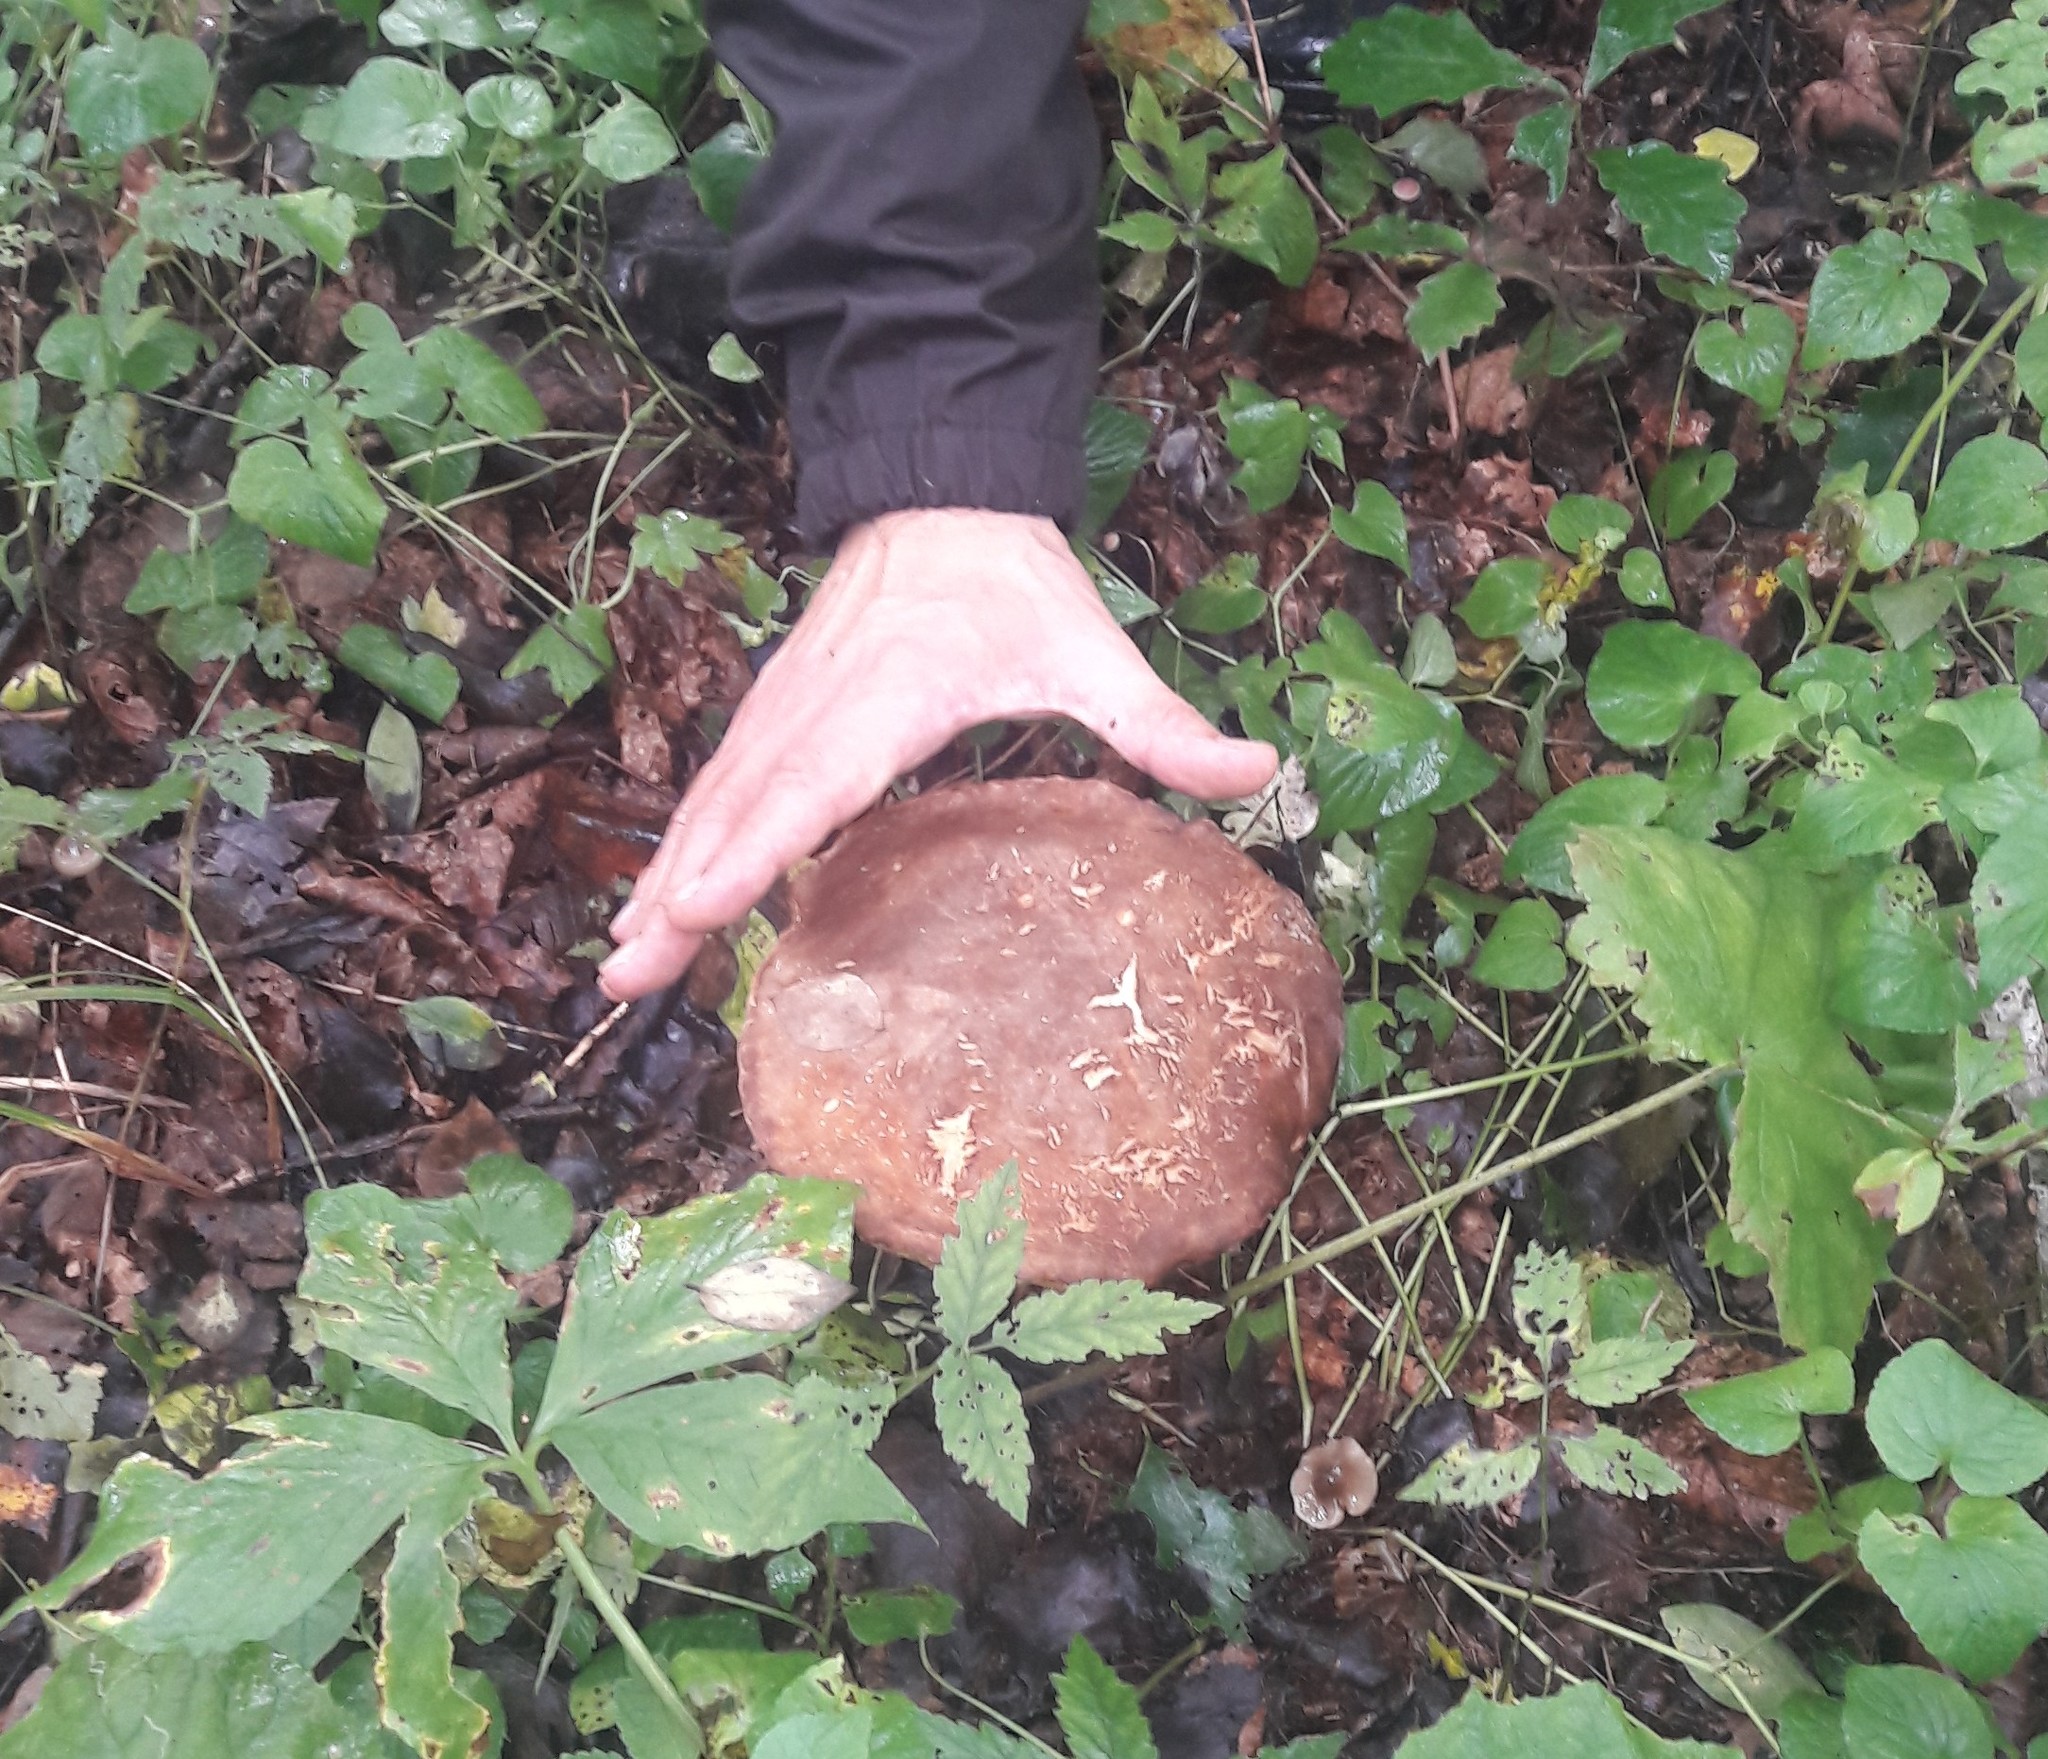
(614, 1615)
(1961, 377)
(1394, 1221)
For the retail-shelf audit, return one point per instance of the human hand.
(931, 621)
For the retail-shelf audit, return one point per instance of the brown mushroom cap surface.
(1054, 971)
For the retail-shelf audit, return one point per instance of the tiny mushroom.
(1054, 972)
(1335, 1478)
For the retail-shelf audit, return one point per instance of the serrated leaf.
(1200, 1530)
(1759, 1413)
(981, 1423)
(1548, 1296)
(2011, 61)
(1869, 301)
(1468, 1477)
(1931, 1411)
(1453, 305)
(100, 445)
(1629, 25)
(731, 1466)
(1682, 203)
(1118, 1319)
(1618, 1371)
(1977, 1594)
(1265, 218)
(978, 1264)
(105, 1701)
(674, 543)
(573, 647)
(1100, 1715)
(1406, 57)
(411, 1286)
(1617, 1464)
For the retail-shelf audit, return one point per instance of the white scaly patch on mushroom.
(1336, 1479)
(952, 1140)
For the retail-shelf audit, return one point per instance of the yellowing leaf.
(1737, 151)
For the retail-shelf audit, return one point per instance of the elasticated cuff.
(1002, 470)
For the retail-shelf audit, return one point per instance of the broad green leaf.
(1753, 361)
(739, 1465)
(1454, 304)
(23, 810)
(889, 1615)
(981, 1423)
(1869, 302)
(1615, 1463)
(1629, 25)
(1728, 955)
(1270, 435)
(1895, 966)
(1585, 1721)
(651, 1730)
(1118, 1319)
(633, 1316)
(524, 1212)
(1373, 524)
(227, 571)
(1931, 1411)
(1861, 802)
(1589, 526)
(628, 141)
(129, 90)
(1977, 1594)
(1468, 1477)
(574, 648)
(1619, 1371)
(1406, 57)
(1683, 203)
(1100, 1715)
(1734, 1660)
(459, 24)
(323, 498)
(453, 1031)
(1539, 854)
(2011, 61)
(1992, 496)
(421, 1614)
(978, 1265)
(721, 169)
(1521, 950)
(489, 394)
(1757, 726)
(391, 109)
(1650, 681)
(1689, 486)
(106, 1701)
(516, 104)
(1200, 1530)
(41, 1403)
(1266, 218)
(101, 445)
(1223, 601)
(1911, 1713)
(1505, 598)
(411, 1286)
(1759, 1413)
(427, 683)
(253, 1545)
(2009, 900)
(1835, 1524)
(1543, 138)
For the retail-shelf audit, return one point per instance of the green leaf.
(1222, 602)
(1649, 681)
(633, 1315)
(1468, 1477)
(426, 683)
(2009, 899)
(1404, 239)
(22, 458)
(1543, 138)
(890, 1615)
(1588, 527)
(1617, 1464)
(1752, 362)
(1266, 218)
(981, 1423)
(489, 394)
(1505, 598)
(1629, 25)
(1869, 302)
(525, 1213)
(514, 104)
(1931, 1411)
(227, 571)
(628, 141)
(1835, 1524)
(41, 1403)
(101, 444)
(105, 1701)
(1911, 1713)
(739, 1465)
(1619, 1371)
(720, 171)
(1734, 1660)
(649, 1729)
(326, 502)
(1118, 1319)
(674, 544)
(1271, 435)
(1443, 152)
(1199, 1530)
(258, 1541)
(1585, 1721)
(729, 360)
(412, 1287)
(1977, 1595)
(1895, 967)
(1759, 1413)
(1728, 956)
(1549, 1297)
(1992, 496)
(1100, 1715)
(1406, 57)
(2011, 61)
(391, 109)
(1681, 201)
(1373, 524)
(1538, 856)
(573, 647)
(422, 1612)
(978, 1264)
(23, 810)
(1454, 304)
(1521, 950)
(1688, 487)
(459, 24)
(129, 90)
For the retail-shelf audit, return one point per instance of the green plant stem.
(1952, 387)
(614, 1615)
(1451, 1195)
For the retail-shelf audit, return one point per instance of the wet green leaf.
(1869, 301)
(1453, 305)
(1759, 1413)
(1649, 681)
(1682, 203)
(1753, 361)
(426, 683)
(323, 499)
(130, 90)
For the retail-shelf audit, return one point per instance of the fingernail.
(622, 924)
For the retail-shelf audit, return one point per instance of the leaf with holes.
(981, 1423)
(978, 1264)
(2010, 60)
(1118, 1319)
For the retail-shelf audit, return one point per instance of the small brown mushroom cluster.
(1055, 972)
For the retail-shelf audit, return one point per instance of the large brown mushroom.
(1053, 971)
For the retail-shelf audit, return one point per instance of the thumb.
(1163, 734)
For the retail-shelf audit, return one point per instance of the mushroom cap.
(1060, 973)
(1334, 1479)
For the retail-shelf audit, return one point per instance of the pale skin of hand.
(929, 622)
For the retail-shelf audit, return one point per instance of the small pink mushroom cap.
(1060, 973)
